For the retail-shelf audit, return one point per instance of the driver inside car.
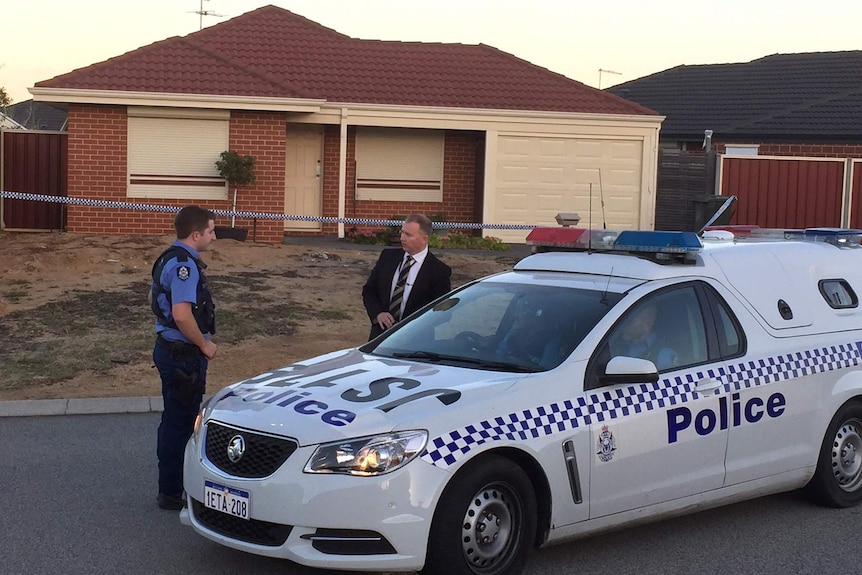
(640, 338)
(535, 338)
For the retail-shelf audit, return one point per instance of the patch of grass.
(99, 330)
(36, 366)
(239, 287)
(14, 295)
(257, 318)
(459, 240)
(87, 331)
(454, 239)
(331, 315)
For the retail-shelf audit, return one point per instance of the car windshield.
(516, 327)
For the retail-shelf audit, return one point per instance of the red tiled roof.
(271, 52)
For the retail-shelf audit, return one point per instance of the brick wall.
(800, 150)
(98, 146)
(459, 182)
(261, 135)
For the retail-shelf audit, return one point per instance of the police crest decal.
(183, 272)
(606, 445)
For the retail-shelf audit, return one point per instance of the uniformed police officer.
(185, 322)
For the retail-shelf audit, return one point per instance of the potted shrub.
(238, 171)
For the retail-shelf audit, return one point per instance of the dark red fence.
(785, 193)
(856, 196)
(34, 162)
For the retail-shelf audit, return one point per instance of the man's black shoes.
(171, 502)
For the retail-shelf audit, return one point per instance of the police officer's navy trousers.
(181, 409)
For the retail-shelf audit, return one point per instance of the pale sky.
(40, 39)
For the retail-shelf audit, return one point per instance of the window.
(500, 326)
(838, 294)
(666, 328)
(741, 149)
(399, 164)
(731, 338)
(172, 153)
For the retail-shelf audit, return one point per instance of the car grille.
(248, 530)
(263, 453)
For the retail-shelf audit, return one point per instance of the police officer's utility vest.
(203, 309)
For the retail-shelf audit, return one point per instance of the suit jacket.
(432, 281)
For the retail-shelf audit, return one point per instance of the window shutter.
(399, 164)
(174, 156)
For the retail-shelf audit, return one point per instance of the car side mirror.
(622, 369)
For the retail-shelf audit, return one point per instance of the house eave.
(120, 98)
(305, 105)
(400, 109)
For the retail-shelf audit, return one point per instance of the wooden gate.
(778, 192)
(685, 181)
(33, 162)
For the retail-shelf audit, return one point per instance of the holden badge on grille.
(235, 448)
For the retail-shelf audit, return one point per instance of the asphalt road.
(77, 495)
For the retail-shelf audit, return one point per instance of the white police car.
(583, 390)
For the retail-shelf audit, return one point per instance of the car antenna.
(604, 299)
(590, 223)
(602, 199)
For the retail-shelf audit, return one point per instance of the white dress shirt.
(411, 276)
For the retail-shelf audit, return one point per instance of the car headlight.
(374, 455)
(199, 420)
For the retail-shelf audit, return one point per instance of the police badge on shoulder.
(183, 272)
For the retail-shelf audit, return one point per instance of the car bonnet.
(351, 394)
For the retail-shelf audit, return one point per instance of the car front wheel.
(485, 523)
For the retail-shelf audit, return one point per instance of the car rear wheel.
(485, 522)
(837, 482)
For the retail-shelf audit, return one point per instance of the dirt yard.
(74, 318)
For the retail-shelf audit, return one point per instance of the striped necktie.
(398, 294)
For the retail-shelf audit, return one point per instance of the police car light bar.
(555, 237)
(840, 237)
(662, 245)
(738, 230)
(658, 242)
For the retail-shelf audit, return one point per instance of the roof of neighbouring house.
(783, 97)
(39, 115)
(271, 52)
(8, 122)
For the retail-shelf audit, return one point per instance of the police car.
(616, 378)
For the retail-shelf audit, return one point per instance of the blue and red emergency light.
(841, 237)
(658, 245)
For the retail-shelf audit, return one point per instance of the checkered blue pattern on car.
(601, 406)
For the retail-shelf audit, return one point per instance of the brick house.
(346, 128)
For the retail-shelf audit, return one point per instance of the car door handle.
(707, 385)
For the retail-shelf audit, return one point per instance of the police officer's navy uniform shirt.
(181, 280)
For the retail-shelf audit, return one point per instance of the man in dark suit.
(403, 280)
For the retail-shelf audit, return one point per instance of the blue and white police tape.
(254, 215)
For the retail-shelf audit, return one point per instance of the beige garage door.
(538, 177)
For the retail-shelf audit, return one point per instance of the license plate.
(228, 500)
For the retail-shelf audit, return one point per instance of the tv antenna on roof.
(602, 70)
(201, 12)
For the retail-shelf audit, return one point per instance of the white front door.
(303, 177)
